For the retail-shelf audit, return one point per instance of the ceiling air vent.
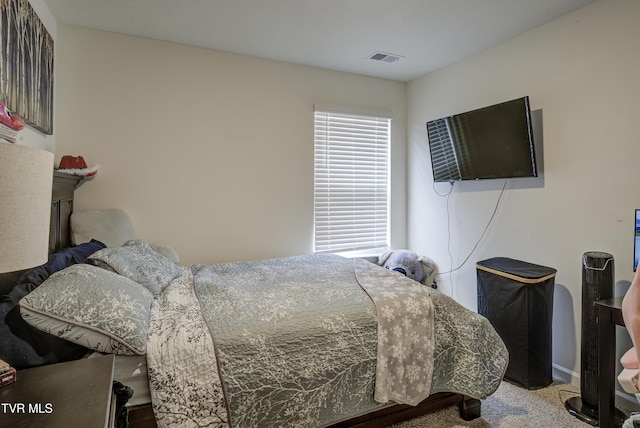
(385, 57)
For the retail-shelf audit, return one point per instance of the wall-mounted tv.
(490, 142)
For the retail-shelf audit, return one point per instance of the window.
(351, 182)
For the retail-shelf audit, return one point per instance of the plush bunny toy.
(418, 268)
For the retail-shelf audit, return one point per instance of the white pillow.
(112, 227)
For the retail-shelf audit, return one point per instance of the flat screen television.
(490, 142)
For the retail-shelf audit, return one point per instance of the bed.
(261, 316)
(313, 340)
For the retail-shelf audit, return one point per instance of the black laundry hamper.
(517, 299)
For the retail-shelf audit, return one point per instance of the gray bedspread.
(293, 342)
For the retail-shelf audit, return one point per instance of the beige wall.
(581, 71)
(209, 152)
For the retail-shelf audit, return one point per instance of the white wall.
(209, 152)
(581, 71)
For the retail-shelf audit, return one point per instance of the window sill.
(370, 254)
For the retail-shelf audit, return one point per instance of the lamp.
(26, 177)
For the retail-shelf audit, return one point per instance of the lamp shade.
(26, 177)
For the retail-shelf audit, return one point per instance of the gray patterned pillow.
(138, 261)
(92, 307)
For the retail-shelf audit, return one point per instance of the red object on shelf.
(72, 162)
(76, 165)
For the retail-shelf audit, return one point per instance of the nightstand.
(72, 394)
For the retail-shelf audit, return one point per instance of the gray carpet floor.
(511, 406)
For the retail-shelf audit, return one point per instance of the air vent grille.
(385, 57)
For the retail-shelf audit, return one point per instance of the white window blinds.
(351, 182)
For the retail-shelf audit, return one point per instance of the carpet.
(511, 406)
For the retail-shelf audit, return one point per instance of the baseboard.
(565, 375)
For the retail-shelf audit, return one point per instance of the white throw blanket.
(405, 334)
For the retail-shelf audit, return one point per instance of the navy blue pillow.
(22, 345)
(60, 260)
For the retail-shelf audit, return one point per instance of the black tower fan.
(597, 284)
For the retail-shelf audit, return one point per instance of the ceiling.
(335, 34)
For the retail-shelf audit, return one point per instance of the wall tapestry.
(26, 64)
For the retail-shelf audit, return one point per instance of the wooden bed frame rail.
(469, 408)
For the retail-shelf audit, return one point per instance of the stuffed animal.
(418, 268)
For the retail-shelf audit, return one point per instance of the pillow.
(138, 261)
(22, 345)
(60, 260)
(112, 226)
(92, 307)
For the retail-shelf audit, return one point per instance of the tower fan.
(597, 284)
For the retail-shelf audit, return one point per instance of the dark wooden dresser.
(72, 394)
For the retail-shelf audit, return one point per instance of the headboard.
(64, 186)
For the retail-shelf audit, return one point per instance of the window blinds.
(351, 182)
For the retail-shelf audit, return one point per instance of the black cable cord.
(443, 194)
(495, 210)
(448, 196)
(568, 392)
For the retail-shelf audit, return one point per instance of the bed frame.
(469, 408)
(142, 416)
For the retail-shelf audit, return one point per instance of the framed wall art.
(26, 64)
